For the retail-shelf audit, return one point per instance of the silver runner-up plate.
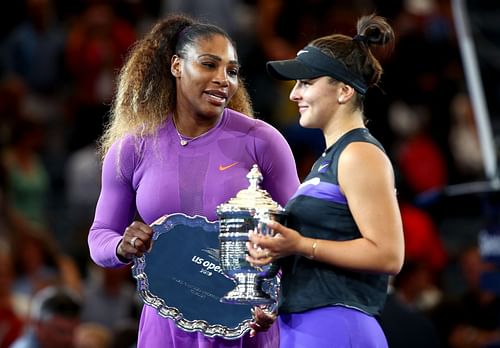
(181, 277)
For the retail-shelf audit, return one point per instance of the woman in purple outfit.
(181, 140)
(344, 233)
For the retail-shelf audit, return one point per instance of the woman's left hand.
(262, 320)
(264, 249)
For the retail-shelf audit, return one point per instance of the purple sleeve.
(116, 206)
(277, 163)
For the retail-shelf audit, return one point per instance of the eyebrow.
(217, 58)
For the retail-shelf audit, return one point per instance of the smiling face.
(206, 77)
(317, 100)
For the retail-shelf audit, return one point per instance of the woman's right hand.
(266, 248)
(136, 240)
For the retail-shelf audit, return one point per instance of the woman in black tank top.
(344, 232)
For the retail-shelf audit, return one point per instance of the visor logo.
(301, 52)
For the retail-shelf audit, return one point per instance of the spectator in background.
(11, 323)
(110, 296)
(473, 319)
(33, 54)
(236, 17)
(92, 335)
(39, 263)
(5, 228)
(12, 224)
(54, 317)
(419, 286)
(404, 323)
(12, 93)
(98, 41)
(82, 187)
(34, 50)
(28, 180)
(125, 334)
(36, 263)
(464, 141)
(418, 157)
(33, 57)
(426, 258)
(415, 286)
(433, 80)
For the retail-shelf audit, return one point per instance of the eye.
(233, 72)
(209, 65)
(304, 82)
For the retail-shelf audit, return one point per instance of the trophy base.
(248, 291)
(255, 298)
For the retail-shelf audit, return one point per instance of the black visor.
(311, 63)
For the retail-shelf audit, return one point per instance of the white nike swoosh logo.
(313, 181)
(322, 166)
(302, 51)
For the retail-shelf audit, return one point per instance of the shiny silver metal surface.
(249, 210)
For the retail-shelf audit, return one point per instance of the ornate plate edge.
(138, 272)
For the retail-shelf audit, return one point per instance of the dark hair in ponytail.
(355, 53)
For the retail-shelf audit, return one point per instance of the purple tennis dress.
(158, 176)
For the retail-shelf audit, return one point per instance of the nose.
(221, 77)
(294, 93)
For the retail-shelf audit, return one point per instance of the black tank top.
(319, 210)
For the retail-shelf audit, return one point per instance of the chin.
(212, 112)
(303, 123)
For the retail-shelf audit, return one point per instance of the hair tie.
(361, 38)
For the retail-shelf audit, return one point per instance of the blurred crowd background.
(58, 62)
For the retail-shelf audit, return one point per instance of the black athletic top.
(319, 210)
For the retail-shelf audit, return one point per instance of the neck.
(192, 126)
(342, 124)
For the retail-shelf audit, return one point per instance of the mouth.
(302, 108)
(216, 97)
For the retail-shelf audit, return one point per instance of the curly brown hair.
(146, 91)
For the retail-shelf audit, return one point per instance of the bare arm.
(366, 179)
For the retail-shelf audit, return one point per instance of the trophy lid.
(252, 197)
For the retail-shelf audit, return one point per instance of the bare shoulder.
(364, 162)
(361, 154)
